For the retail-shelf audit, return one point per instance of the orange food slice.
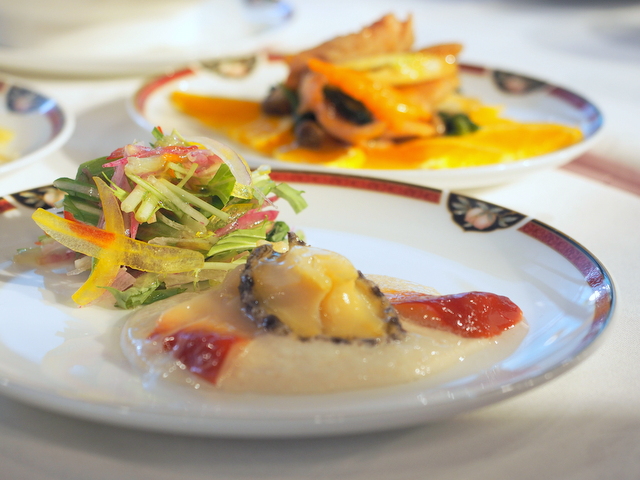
(525, 140)
(433, 153)
(334, 156)
(265, 133)
(217, 112)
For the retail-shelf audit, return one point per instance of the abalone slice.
(311, 293)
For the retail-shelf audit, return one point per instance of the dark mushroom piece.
(280, 101)
(308, 132)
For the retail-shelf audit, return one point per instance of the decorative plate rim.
(61, 120)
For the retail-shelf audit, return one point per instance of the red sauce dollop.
(472, 314)
(202, 352)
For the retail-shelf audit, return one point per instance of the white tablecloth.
(583, 425)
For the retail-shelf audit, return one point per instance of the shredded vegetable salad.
(150, 222)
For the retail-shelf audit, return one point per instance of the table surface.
(583, 425)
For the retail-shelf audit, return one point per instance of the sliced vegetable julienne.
(145, 165)
(237, 165)
(187, 175)
(103, 274)
(192, 199)
(110, 208)
(106, 269)
(239, 240)
(278, 232)
(81, 199)
(263, 182)
(84, 190)
(291, 195)
(99, 243)
(92, 168)
(146, 212)
(223, 266)
(145, 290)
(221, 185)
(174, 199)
(87, 212)
(133, 199)
(196, 278)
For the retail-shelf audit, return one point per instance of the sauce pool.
(470, 315)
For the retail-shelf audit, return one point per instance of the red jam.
(202, 352)
(471, 315)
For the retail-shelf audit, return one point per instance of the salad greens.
(160, 201)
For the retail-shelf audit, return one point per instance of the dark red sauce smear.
(471, 315)
(203, 353)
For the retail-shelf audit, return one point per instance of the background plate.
(152, 37)
(523, 98)
(39, 125)
(67, 359)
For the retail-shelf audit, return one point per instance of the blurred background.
(591, 47)
(86, 59)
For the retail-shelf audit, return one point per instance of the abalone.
(315, 293)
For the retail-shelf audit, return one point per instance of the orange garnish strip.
(99, 243)
(117, 248)
(106, 269)
(384, 102)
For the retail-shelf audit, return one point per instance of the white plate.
(154, 42)
(523, 98)
(39, 125)
(68, 360)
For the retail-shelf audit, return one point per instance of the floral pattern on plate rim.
(479, 216)
(41, 197)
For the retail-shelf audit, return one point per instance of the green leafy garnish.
(238, 241)
(457, 123)
(146, 290)
(278, 232)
